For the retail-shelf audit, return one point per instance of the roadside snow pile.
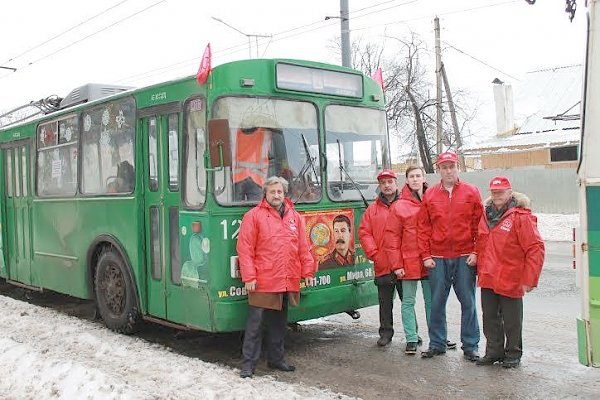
(44, 354)
(557, 227)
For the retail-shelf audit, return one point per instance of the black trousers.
(247, 190)
(502, 324)
(275, 323)
(386, 306)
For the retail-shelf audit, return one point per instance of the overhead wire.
(273, 38)
(90, 35)
(29, 50)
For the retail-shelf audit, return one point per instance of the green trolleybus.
(133, 197)
(587, 251)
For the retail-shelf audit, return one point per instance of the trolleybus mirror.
(219, 144)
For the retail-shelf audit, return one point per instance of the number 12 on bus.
(134, 197)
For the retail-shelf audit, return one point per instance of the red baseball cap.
(448, 156)
(500, 183)
(386, 173)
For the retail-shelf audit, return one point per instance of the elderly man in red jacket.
(447, 229)
(274, 256)
(511, 256)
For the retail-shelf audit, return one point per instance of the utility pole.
(461, 158)
(438, 76)
(345, 33)
(8, 68)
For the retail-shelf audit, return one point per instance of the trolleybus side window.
(57, 157)
(356, 148)
(24, 170)
(195, 172)
(269, 137)
(153, 154)
(9, 174)
(173, 153)
(108, 148)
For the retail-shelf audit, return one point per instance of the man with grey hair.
(274, 256)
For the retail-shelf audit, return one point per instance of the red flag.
(378, 77)
(204, 69)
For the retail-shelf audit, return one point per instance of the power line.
(90, 35)
(480, 61)
(441, 14)
(66, 31)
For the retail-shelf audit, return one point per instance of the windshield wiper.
(348, 175)
(309, 164)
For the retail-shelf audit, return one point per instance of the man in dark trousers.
(446, 234)
(274, 256)
(371, 236)
(511, 256)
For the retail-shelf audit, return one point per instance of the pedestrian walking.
(447, 230)
(274, 256)
(511, 256)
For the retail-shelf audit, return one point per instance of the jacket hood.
(407, 194)
(522, 200)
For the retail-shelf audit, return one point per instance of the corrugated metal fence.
(550, 190)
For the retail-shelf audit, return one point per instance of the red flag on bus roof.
(204, 69)
(378, 77)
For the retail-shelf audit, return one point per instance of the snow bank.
(557, 227)
(44, 354)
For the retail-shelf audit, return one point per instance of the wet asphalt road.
(340, 354)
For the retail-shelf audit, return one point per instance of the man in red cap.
(511, 256)
(370, 234)
(446, 233)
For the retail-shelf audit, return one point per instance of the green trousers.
(409, 297)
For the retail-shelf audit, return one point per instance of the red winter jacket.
(400, 240)
(274, 250)
(370, 235)
(511, 254)
(447, 225)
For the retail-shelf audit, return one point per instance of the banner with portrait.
(331, 237)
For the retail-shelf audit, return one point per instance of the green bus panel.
(65, 230)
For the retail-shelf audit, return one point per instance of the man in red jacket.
(446, 233)
(274, 256)
(511, 256)
(370, 234)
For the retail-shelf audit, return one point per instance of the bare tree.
(410, 107)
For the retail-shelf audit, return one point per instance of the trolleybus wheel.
(115, 294)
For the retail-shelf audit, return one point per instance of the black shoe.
(281, 366)
(411, 348)
(450, 345)
(419, 341)
(246, 373)
(383, 341)
(471, 355)
(511, 362)
(432, 353)
(485, 360)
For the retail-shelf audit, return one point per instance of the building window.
(559, 154)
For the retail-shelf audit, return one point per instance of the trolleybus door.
(17, 197)
(161, 136)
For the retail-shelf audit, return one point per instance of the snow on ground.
(557, 227)
(45, 354)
